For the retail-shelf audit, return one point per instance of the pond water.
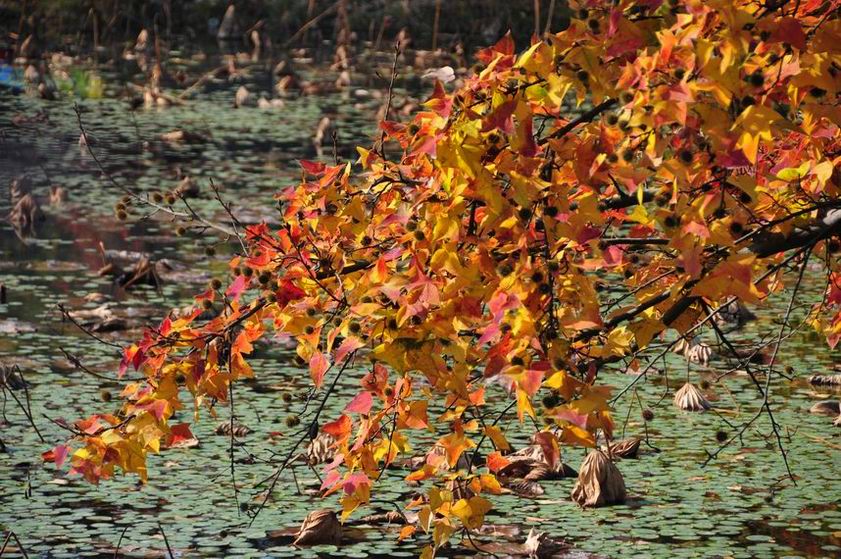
(741, 505)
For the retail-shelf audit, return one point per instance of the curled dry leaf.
(626, 448)
(238, 429)
(694, 351)
(539, 545)
(444, 74)
(320, 527)
(599, 482)
(321, 449)
(242, 97)
(826, 407)
(837, 422)
(690, 398)
(825, 380)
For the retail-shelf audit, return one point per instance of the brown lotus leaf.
(524, 488)
(826, 407)
(690, 398)
(825, 380)
(540, 471)
(320, 527)
(599, 482)
(25, 215)
(626, 448)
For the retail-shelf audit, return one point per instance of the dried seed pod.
(320, 527)
(689, 398)
(599, 482)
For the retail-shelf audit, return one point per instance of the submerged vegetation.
(342, 285)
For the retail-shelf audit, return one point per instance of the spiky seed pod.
(647, 415)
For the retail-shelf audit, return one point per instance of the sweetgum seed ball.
(756, 79)
(647, 414)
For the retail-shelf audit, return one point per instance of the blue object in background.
(9, 78)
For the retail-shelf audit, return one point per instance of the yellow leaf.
(472, 511)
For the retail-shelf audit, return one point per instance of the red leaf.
(788, 30)
(340, 429)
(57, 455)
(180, 433)
(313, 167)
(236, 288)
(361, 403)
(349, 345)
(318, 366)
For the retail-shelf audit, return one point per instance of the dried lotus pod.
(599, 482)
(320, 527)
(689, 398)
